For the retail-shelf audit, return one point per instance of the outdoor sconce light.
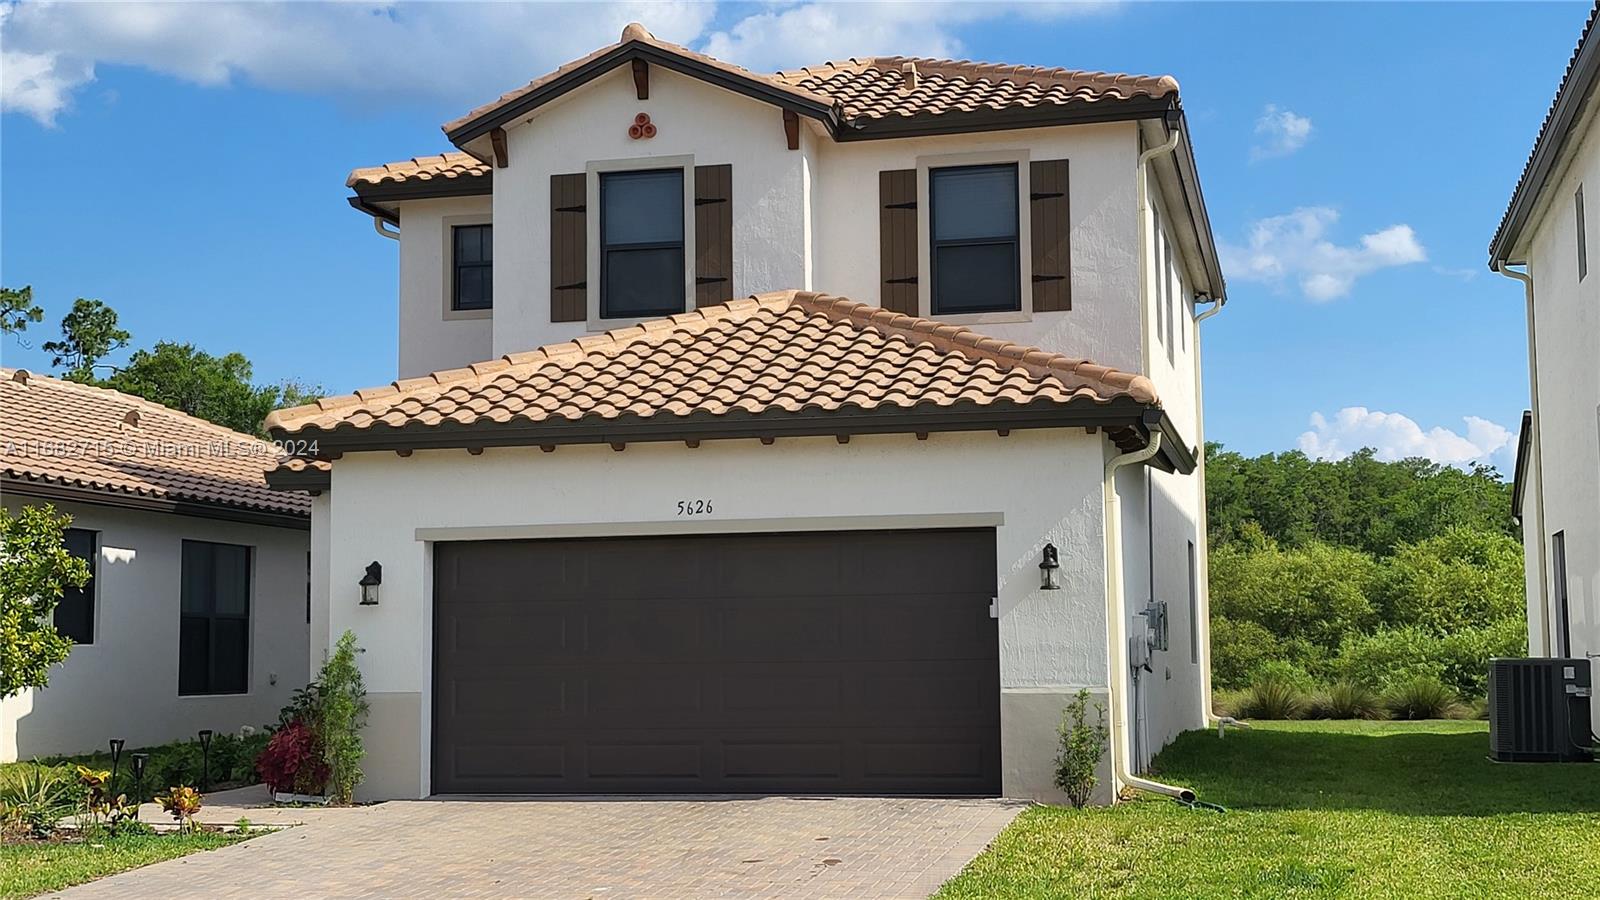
(1050, 569)
(369, 584)
(205, 759)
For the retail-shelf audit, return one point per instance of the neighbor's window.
(641, 244)
(214, 629)
(975, 258)
(74, 616)
(472, 286)
(1583, 241)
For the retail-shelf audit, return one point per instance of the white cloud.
(1296, 246)
(1395, 436)
(375, 52)
(1281, 131)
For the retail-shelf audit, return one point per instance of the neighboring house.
(665, 541)
(1549, 230)
(196, 613)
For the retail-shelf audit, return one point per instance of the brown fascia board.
(372, 209)
(1524, 458)
(1574, 92)
(375, 200)
(307, 479)
(1120, 413)
(1082, 113)
(1195, 202)
(121, 500)
(556, 87)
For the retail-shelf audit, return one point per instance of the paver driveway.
(599, 848)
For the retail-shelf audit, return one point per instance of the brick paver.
(768, 847)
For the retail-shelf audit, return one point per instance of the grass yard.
(1318, 809)
(27, 869)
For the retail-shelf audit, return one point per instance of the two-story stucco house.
(1546, 232)
(815, 432)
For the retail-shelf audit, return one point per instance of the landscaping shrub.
(1228, 703)
(1455, 581)
(1460, 660)
(33, 798)
(1422, 697)
(1082, 747)
(344, 712)
(1238, 649)
(1345, 699)
(293, 761)
(1272, 698)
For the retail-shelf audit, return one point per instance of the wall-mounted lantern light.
(1050, 569)
(369, 584)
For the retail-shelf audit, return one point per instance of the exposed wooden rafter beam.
(641, 78)
(791, 128)
(497, 140)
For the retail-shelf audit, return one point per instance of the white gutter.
(1537, 450)
(1116, 632)
(377, 225)
(1216, 308)
(1146, 237)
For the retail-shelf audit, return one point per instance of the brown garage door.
(855, 662)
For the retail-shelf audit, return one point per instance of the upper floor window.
(641, 244)
(74, 615)
(975, 260)
(214, 623)
(1583, 242)
(472, 286)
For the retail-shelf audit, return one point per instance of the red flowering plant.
(294, 761)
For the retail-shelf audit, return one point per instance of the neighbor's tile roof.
(879, 87)
(450, 166)
(72, 436)
(790, 351)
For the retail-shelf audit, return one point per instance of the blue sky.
(186, 165)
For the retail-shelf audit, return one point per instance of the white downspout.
(1142, 182)
(1116, 632)
(1538, 462)
(377, 225)
(1202, 563)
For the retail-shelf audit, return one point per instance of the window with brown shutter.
(569, 248)
(1049, 207)
(713, 235)
(897, 240)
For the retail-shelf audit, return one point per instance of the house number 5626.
(694, 507)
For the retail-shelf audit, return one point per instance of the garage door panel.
(757, 663)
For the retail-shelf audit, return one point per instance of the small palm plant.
(1082, 747)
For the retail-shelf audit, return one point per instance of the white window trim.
(449, 224)
(1021, 159)
(593, 171)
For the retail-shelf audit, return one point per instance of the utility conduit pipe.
(1116, 631)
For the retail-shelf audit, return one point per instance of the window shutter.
(713, 235)
(897, 240)
(569, 248)
(1048, 209)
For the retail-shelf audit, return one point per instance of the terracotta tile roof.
(65, 435)
(450, 166)
(633, 33)
(785, 352)
(883, 87)
(1564, 114)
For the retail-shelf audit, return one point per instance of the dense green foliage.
(1082, 745)
(17, 309)
(1360, 570)
(215, 388)
(88, 333)
(35, 568)
(344, 712)
(232, 764)
(1316, 810)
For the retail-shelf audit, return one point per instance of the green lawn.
(29, 869)
(1318, 809)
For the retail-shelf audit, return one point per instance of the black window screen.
(473, 254)
(214, 627)
(975, 259)
(641, 244)
(74, 616)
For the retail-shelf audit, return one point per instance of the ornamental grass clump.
(1346, 699)
(1272, 698)
(1423, 697)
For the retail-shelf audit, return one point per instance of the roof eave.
(65, 493)
(626, 52)
(1520, 469)
(1575, 91)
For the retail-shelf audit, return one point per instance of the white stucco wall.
(432, 336)
(1034, 486)
(125, 684)
(1567, 315)
(693, 119)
